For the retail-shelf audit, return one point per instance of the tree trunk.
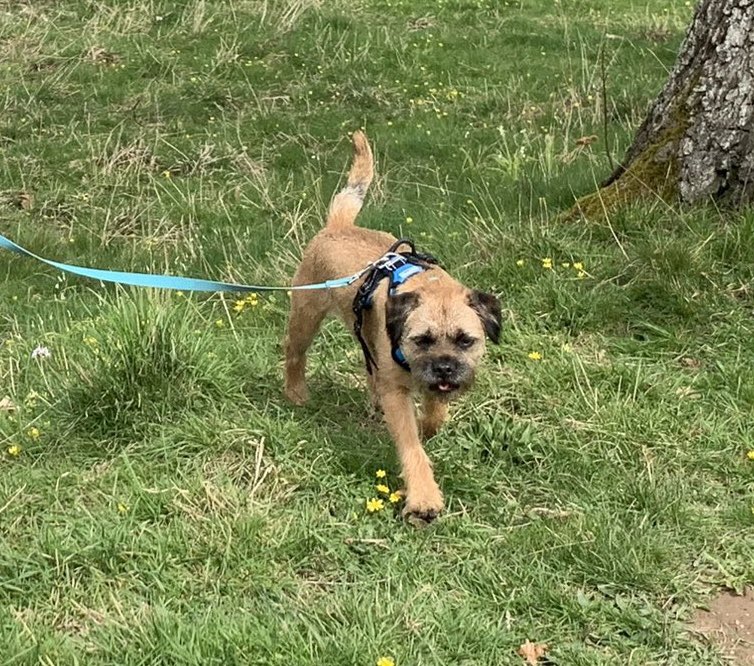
(697, 142)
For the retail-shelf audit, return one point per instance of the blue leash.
(173, 281)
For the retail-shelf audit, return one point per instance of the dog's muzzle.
(445, 375)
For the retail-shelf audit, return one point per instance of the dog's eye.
(424, 341)
(464, 341)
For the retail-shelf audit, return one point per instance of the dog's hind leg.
(308, 309)
(434, 415)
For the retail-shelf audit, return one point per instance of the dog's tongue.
(444, 387)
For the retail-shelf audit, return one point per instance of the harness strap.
(397, 267)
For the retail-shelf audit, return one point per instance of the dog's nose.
(445, 367)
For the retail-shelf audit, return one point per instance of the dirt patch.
(729, 624)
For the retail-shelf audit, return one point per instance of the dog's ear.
(487, 306)
(397, 309)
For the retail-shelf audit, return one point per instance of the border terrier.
(425, 336)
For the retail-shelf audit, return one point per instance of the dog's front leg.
(423, 496)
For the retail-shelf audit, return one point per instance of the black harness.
(397, 267)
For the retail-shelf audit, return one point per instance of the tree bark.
(697, 141)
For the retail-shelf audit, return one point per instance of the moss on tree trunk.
(697, 141)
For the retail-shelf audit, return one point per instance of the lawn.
(160, 502)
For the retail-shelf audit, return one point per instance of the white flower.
(41, 352)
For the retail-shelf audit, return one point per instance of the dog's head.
(441, 327)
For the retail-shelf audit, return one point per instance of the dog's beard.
(444, 386)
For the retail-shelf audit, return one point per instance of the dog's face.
(441, 327)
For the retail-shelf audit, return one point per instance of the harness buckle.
(390, 261)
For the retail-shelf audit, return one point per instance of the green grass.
(175, 510)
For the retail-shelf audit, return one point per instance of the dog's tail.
(346, 204)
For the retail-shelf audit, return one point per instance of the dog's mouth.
(446, 385)
(445, 388)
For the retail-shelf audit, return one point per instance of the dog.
(425, 336)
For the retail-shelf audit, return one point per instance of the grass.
(171, 508)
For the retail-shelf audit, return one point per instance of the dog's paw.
(422, 508)
(298, 395)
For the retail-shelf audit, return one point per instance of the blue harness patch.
(403, 273)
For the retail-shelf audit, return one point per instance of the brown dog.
(438, 325)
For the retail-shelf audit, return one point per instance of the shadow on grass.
(337, 417)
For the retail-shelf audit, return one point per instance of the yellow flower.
(33, 433)
(382, 488)
(535, 356)
(547, 262)
(750, 454)
(520, 263)
(565, 264)
(380, 473)
(89, 340)
(251, 299)
(394, 498)
(239, 306)
(166, 174)
(578, 266)
(409, 220)
(375, 504)
(581, 275)
(219, 323)
(122, 508)
(385, 661)
(14, 450)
